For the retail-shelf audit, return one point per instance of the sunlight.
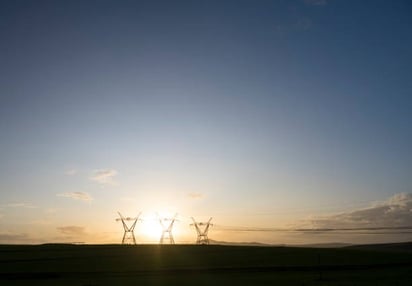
(150, 228)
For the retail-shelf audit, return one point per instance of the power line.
(274, 229)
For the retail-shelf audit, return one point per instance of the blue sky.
(258, 113)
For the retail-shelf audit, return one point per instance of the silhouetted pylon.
(128, 236)
(167, 229)
(202, 229)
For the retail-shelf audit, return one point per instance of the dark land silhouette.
(65, 264)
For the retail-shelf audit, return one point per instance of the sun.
(153, 225)
(150, 228)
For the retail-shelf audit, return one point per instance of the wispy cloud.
(195, 195)
(71, 230)
(20, 205)
(41, 222)
(76, 196)
(104, 176)
(303, 24)
(13, 237)
(300, 24)
(71, 172)
(394, 212)
(316, 2)
(50, 211)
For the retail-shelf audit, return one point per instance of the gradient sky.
(262, 114)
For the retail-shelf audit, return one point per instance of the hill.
(388, 247)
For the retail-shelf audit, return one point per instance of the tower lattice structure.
(128, 236)
(202, 229)
(167, 227)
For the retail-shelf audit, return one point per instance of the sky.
(288, 122)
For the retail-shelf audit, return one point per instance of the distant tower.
(167, 227)
(128, 236)
(202, 229)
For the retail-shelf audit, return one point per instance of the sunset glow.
(151, 230)
(288, 122)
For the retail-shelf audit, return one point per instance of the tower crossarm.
(167, 229)
(196, 225)
(128, 234)
(208, 224)
(202, 229)
(131, 228)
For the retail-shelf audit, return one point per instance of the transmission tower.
(167, 227)
(202, 229)
(128, 236)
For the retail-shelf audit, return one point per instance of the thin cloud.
(300, 24)
(104, 176)
(71, 230)
(50, 211)
(394, 212)
(303, 24)
(76, 196)
(195, 195)
(21, 205)
(41, 222)
(13, 237)
(71, 172)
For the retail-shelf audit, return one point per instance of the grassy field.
(201, 265)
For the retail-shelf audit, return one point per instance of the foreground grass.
(200, 265)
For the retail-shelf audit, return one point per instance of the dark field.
(202, 265)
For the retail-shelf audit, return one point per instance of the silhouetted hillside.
(391, 247)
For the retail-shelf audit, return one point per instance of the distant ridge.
(315, 245)
(217, 242)
(397, 247)
(392, 247)
(323, 245)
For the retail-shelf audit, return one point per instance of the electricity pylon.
(128, 236)
(167, 229)
(202, 229)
